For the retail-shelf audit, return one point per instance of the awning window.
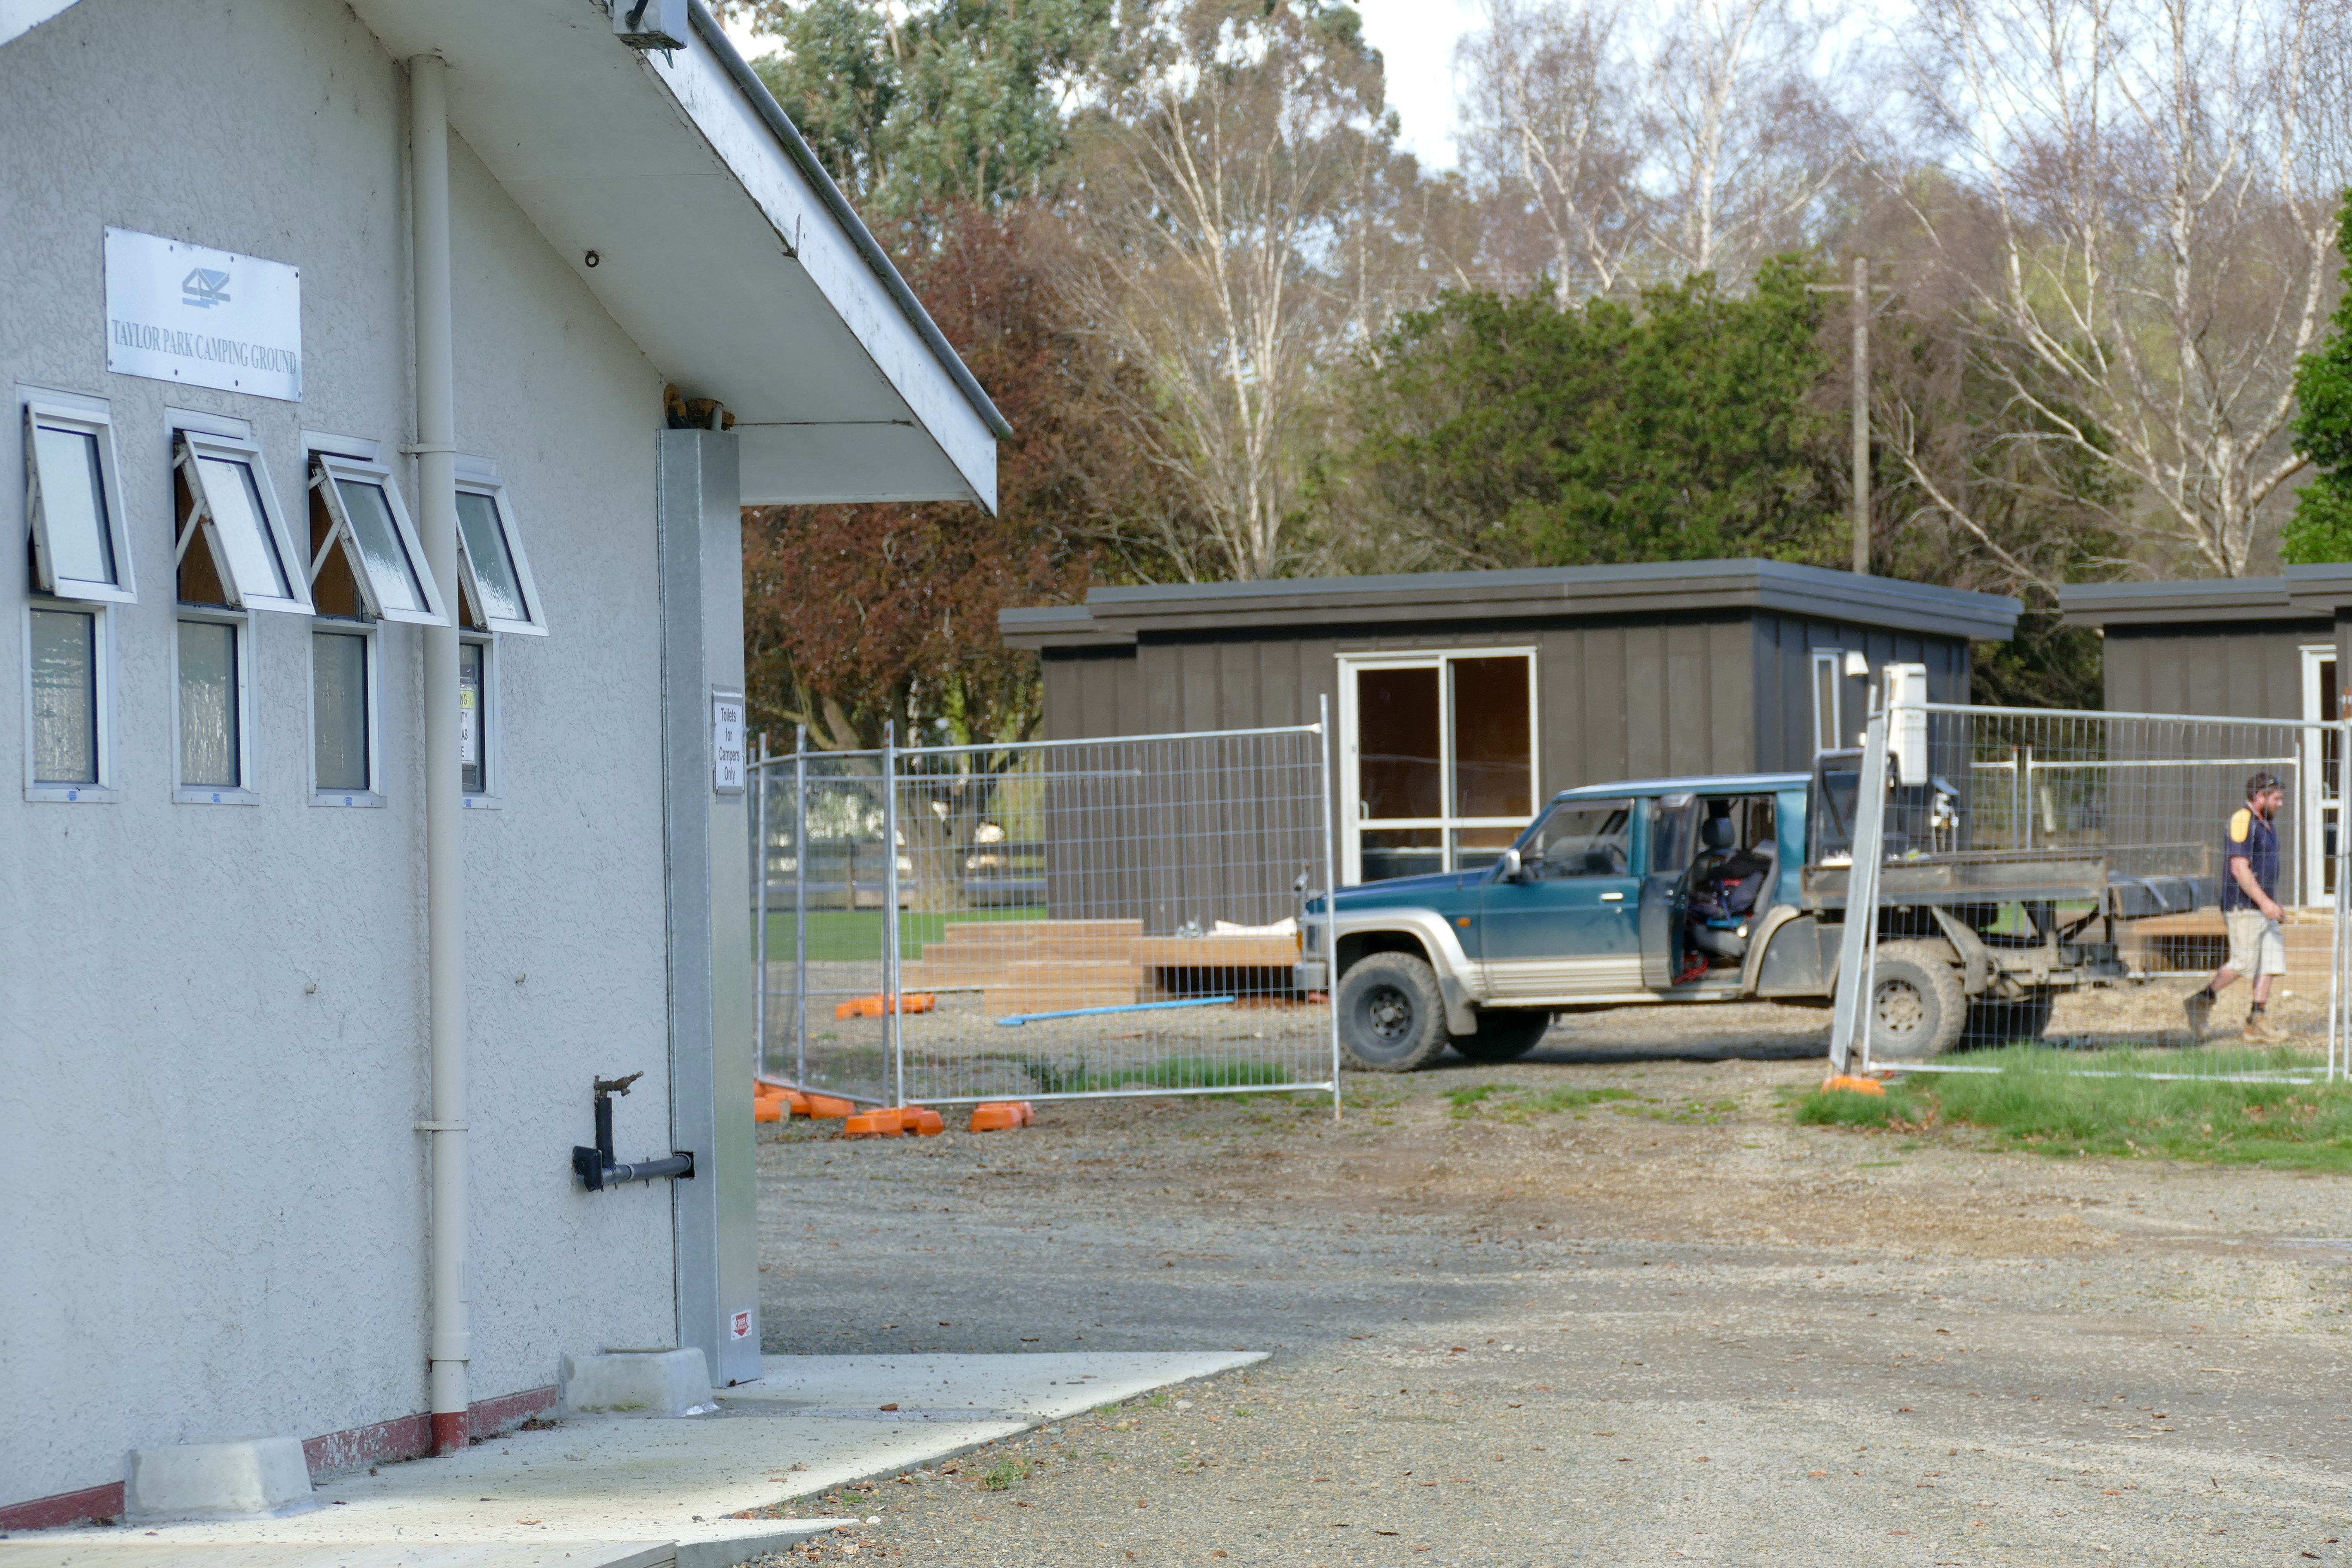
(357, 521)
(233, 547)
(80, 547)
(493, 574)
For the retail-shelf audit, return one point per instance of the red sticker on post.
(742, 1325)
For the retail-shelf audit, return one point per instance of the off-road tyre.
(1916, 1007)
(1996, 1022)
(1392, 1014)
(1505, 1034)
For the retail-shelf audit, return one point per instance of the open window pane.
(1398, 771)
(504, 600)
(339, 719)
(245, 536)
(390, 570)
(1828, 673)
(208, 715)
(64, 697)
(73, 505)
(1494, 764)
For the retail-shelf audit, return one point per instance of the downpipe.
(450, 1347)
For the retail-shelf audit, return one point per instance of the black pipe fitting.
(596, 1168)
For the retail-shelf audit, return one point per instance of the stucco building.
(370, 693)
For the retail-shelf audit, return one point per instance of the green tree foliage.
(952, 101)
(1500, 431)
(2321, 529)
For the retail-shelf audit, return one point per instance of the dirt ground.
(1674, 1327)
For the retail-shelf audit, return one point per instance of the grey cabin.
(1462, 699)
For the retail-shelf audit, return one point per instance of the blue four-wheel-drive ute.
(1715, 890)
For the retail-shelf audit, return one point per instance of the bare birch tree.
(2158, 178)
(1547, 125)
(1219, 191)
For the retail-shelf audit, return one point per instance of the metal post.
(800, 905)
(759, 904)
(1850, 1019)
(1325, 805)
(2016, 799)
(890, 1023)
(2025, 773)
(2340, 1064)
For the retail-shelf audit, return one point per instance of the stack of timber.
(1044, 966)
(2197, 943)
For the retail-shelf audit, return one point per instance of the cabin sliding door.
(1437, 760)
(2322, 813)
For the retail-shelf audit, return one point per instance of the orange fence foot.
(876, 1005)
(999, 1116)
(1858, 1085)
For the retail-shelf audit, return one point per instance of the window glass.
(1402, 852)
(243, 527)
(1828, 672)
(380, 544)
(493, 562)
(73, 505)
(339, 698)
(1474, 848)
(1397, 767)
(471, 714)
(208, 716)
(64, 697)
(1494, 770)
(1582, 839)
(1673, 824)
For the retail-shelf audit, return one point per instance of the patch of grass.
(845, 936)
(1513, 1103)
(2049, 1103)
(1169, 1072)
(1000, 1477)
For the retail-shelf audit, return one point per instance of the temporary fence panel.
(2074, 865)
(1045, 919)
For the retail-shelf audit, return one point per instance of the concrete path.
(605, 1492)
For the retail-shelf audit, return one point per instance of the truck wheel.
(1391, 1017)
(1917, 1008)
(1505, 1034)
(1995, 1022)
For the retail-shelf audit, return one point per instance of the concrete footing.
(636, 1383)
(191, 1480)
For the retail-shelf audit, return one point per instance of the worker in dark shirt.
(2250, 907)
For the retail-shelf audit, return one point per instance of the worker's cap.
(2262, 782)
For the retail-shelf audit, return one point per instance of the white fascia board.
(744, 142)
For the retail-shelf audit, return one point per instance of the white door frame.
(1353, 824)
(2312, 805)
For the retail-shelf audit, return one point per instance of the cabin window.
(231, 545)
(366, 558)
(343, 717)
(211, 667)
(74, 519)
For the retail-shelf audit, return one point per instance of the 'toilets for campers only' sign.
(183, 312)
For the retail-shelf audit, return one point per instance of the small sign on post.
(727, 742)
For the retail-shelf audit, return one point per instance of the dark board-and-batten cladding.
(2228, 646)
(1637, 671)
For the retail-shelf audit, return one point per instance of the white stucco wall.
(211, 1018)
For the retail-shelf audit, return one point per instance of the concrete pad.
(253, 1474)
(636, 1383)
(615, 1485)
(43, 1553)
(1051, 1387)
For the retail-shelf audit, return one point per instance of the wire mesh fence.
(2118, 887)
(1048, 919)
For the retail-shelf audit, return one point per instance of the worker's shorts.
(2257, 946)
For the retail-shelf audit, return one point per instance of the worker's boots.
(2199, 1007)
(2261, 1031)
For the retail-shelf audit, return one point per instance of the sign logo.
(203, 289)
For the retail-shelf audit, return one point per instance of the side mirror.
(1513, 868)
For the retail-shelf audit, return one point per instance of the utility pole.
(1859, 521)
(1860, 417)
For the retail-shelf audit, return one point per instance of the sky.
(1415, 38)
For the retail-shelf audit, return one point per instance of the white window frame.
(90, 416)
(1352, 827)
(486, 728)
(183, 792)
(479, 478)
(105, 791)
(1834, 659)
(371, 640)
(187, 447)
(326, 469)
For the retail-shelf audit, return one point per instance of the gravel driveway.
(1673, 1327)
